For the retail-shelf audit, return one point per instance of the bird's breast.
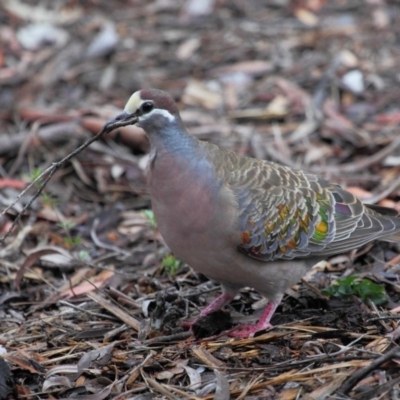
(192, 208)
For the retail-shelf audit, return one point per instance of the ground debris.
(88, 306)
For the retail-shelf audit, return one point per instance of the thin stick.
(50, 171)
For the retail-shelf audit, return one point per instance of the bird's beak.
(122, 119)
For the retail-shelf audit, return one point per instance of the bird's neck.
(172, 139)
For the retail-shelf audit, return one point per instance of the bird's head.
(151, 109)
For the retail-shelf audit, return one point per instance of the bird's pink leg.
(215, 305)
(245, 331)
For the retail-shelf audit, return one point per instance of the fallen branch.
(362, 373)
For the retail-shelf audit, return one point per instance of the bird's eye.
(147, 107)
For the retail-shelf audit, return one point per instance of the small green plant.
(365, 289)
(67, 225)
(72, 242)
(171, 264)
(49, 200)
(33, 175)
(150, 216)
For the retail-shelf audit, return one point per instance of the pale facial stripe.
(157, 111)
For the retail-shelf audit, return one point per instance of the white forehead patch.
(133, 103)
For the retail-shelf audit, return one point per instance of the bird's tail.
(395, 238)
(391, 219)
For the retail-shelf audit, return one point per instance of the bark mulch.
(91, 300)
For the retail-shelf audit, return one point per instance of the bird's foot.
(247, 331)
(189, 324)
(216, 305)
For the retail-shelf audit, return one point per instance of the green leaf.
(352, 285)
(171, 264)
(149, 214)
(83, 255)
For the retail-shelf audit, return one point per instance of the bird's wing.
(284, 213)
